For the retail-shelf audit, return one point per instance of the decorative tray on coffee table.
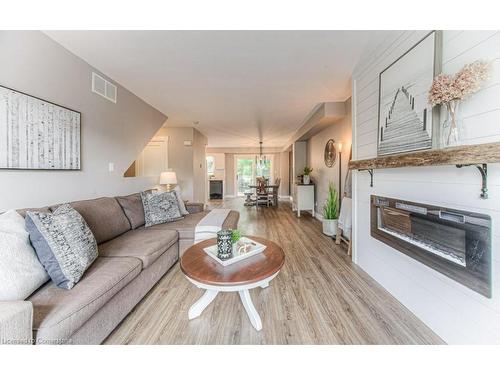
(254, 249)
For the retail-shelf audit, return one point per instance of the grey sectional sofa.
(132, 259)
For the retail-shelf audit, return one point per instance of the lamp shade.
(339, 146)
(168, 178)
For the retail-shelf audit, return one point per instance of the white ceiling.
(241, 86)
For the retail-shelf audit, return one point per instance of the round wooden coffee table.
(253, 272)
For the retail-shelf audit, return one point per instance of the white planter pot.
(307, 179)
(330, 227)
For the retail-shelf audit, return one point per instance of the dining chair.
(262, 192)
(275, 189)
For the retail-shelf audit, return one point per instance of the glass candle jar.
(224, 244)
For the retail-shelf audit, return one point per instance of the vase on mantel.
(451, 129)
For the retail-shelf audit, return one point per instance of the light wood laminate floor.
(319, 297)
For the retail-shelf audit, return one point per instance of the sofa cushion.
(133, 209)
(104, 216)
(58, 313)
(186, 226)
(142, 244)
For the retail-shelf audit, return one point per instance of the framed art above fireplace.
(406, 120)
(37, 134)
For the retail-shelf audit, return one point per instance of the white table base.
(211, 292)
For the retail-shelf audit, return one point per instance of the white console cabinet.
(303, 198)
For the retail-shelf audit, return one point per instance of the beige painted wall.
(229, 180)
(180, 157)
(219, 165)
(299, 158)
(277, 166)
(110, 132)
(188, 162)
(340, 131)
(284, 174)
(199, 167)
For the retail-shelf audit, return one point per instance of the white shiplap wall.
(453, 311)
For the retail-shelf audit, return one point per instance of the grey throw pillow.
(182, 206)
(133, 209)
(63, 242)
(160, 207)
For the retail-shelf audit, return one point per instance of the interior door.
(245, 173)
(154, 158)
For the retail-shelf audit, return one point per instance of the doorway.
(152, 160)
(247, 170)
(245, 173)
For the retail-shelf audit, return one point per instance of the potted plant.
(235, 237)
(306, 179)
(331, 211)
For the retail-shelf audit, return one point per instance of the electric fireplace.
(455, 243)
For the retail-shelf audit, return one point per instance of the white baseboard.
(318, 216)
(284, 197)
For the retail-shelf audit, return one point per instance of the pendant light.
(261, 160)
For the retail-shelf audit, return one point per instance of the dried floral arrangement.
(447, 88)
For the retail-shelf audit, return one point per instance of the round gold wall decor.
(330, 153)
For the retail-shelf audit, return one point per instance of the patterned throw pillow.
(63, 242)
(160, 207)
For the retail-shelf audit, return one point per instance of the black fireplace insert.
(453, 242)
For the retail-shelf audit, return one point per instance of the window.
(210, 165)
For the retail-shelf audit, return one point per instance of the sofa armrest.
(193, 207)
(16, 322)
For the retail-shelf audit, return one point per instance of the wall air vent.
(103, 87)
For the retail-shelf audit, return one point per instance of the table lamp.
(169, 179)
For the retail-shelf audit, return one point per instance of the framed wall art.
(406, 121)
(37, 134)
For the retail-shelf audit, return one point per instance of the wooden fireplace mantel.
(461, 156)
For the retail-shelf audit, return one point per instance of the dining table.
(250, 202)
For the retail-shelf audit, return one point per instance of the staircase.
(403, 130)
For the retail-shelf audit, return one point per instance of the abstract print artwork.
(405, 116)
(36, 134)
